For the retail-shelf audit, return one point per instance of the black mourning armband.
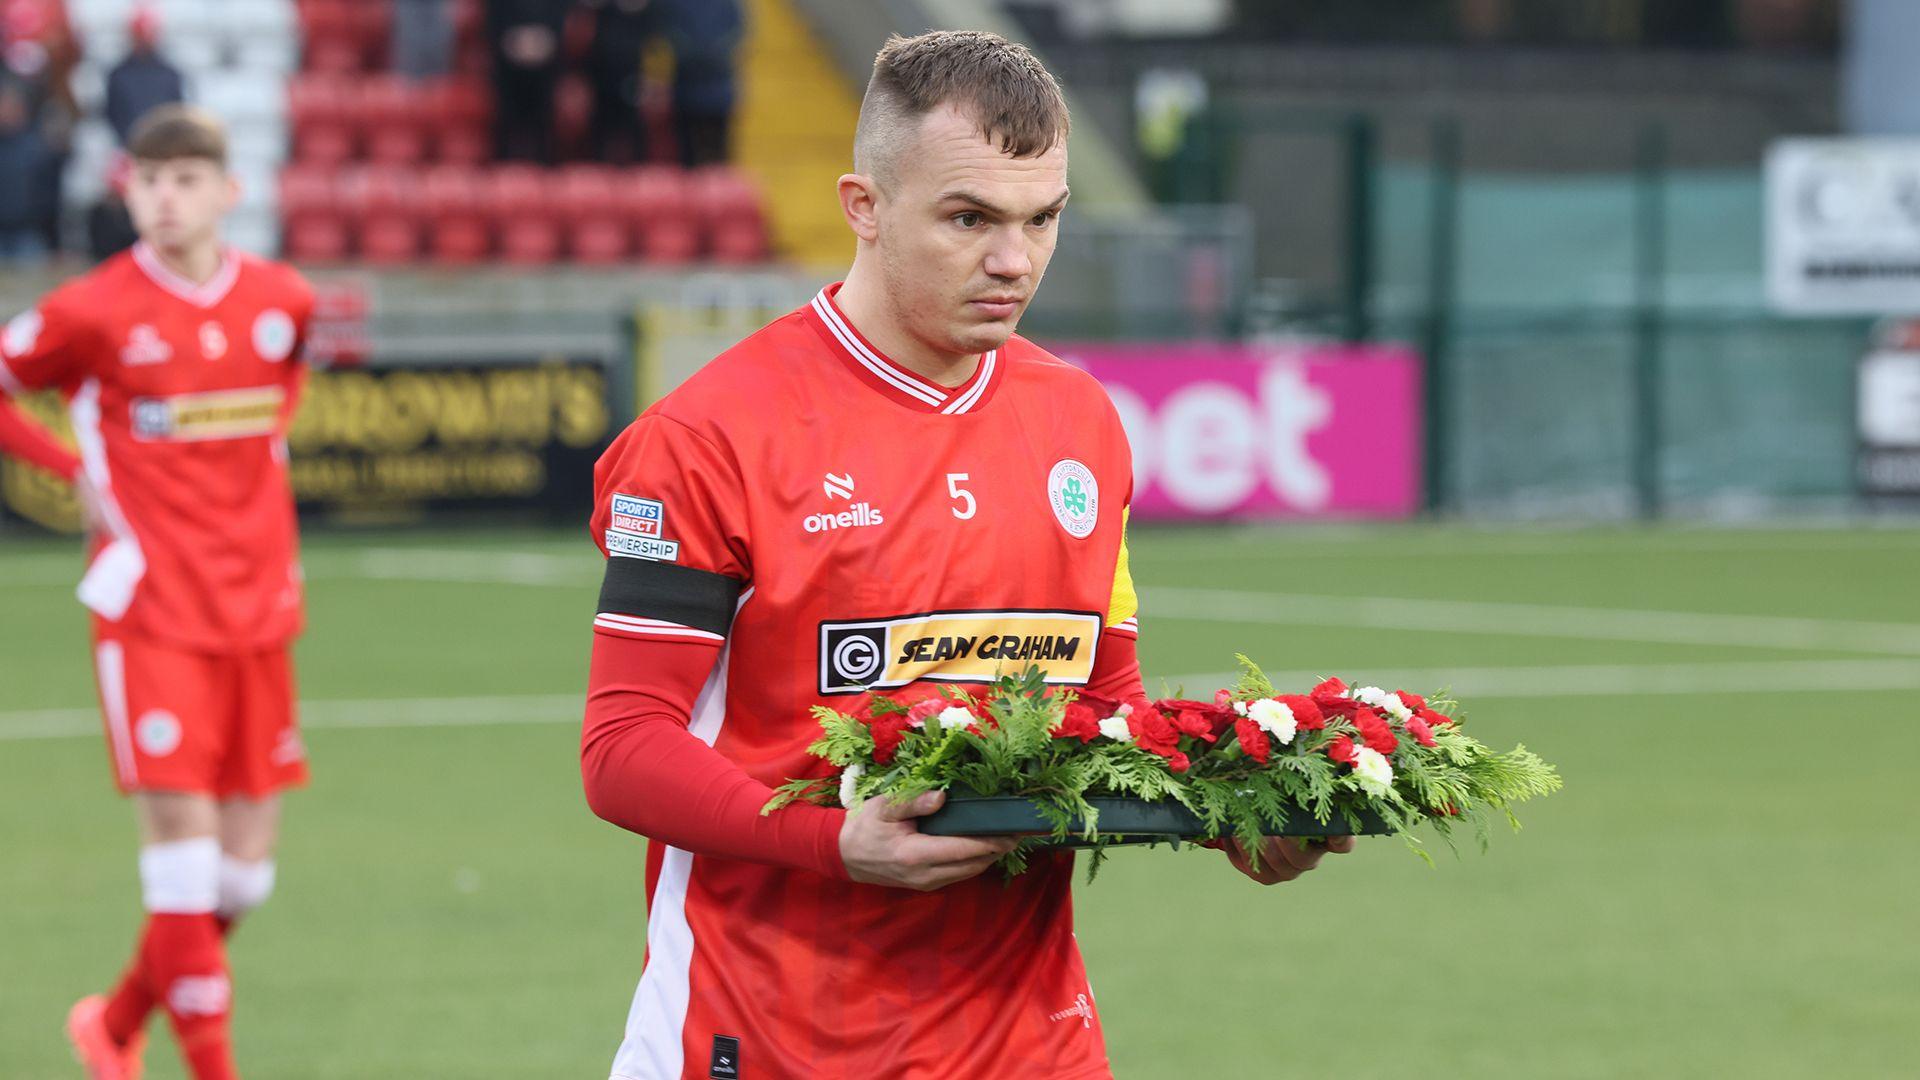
(646, 589)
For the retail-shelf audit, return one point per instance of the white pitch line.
(474, 567)
(1471, 683)
(1271, 544)
(1604, 680)
(1532, 620)
(342, 714)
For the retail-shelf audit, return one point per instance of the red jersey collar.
(910, 388)
(206, 294)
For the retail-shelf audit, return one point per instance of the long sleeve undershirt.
(22, 438)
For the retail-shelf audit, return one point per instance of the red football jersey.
(180, 395)
(841, 523)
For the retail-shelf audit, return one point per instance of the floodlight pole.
(1649, 315)
(1442, 251)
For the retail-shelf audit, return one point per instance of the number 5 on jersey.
(961, 495)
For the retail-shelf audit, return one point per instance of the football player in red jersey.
(180, 363)
(887, 468)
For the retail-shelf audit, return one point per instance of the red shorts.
(219, 724)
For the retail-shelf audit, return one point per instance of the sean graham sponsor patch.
(958, 647)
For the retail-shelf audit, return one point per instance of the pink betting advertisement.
(1256, 432)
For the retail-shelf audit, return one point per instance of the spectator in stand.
(422, 38)
(705, 35)
(144, 79)
(41, 50)
(23, 163)
(525, 39)
(621, 30)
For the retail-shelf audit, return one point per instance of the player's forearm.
(22, 438)
(644, 771)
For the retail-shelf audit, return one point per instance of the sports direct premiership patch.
(641, 517)
(634, 530)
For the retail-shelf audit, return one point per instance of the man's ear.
(860, 205)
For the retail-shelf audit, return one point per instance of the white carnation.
(1240, 708)
(1372, 770)
(1124, 711)
(849, 781)
(1385, 702)
(1115, 727)
(953, 716)
(1274, 718)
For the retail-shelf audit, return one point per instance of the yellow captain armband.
(1125, 603)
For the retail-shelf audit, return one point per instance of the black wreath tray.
(1120, 820)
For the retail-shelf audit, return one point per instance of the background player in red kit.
(180, 362)
(883, 464)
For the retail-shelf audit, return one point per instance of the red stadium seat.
(520, 206)
(598, 228)
(462, 112)
(728, 207)
(314, 228)
(739, 242)
(658, 200)
(394, 116)
(371, 26)
(457, 230)
(322, 112)
(385, 205)
(721, 193)
(331, 40)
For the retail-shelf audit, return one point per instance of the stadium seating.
(391, 171)
(459, 232)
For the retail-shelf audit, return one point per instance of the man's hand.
(881, 845)
(1281, 859)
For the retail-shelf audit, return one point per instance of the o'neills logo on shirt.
(859, 516)
(216, 414)
(957, 647)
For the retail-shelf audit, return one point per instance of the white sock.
(181, 877)
(244, 885)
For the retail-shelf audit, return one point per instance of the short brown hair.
(168, 132)
(997, 83)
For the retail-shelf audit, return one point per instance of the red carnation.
(1421, 733)
(925, 710)
(1080, 722)
(1411, 700)
(1433, 719)
(888, 730)
(1306, 714)
(1331, 696)
(1340, 749)
(979, 708)
(1252, 739)
(1178, 762)
(1375, 730)
(1154, 732)
(1223, 699)
(1195, 723)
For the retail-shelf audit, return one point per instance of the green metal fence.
(1597, 343)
